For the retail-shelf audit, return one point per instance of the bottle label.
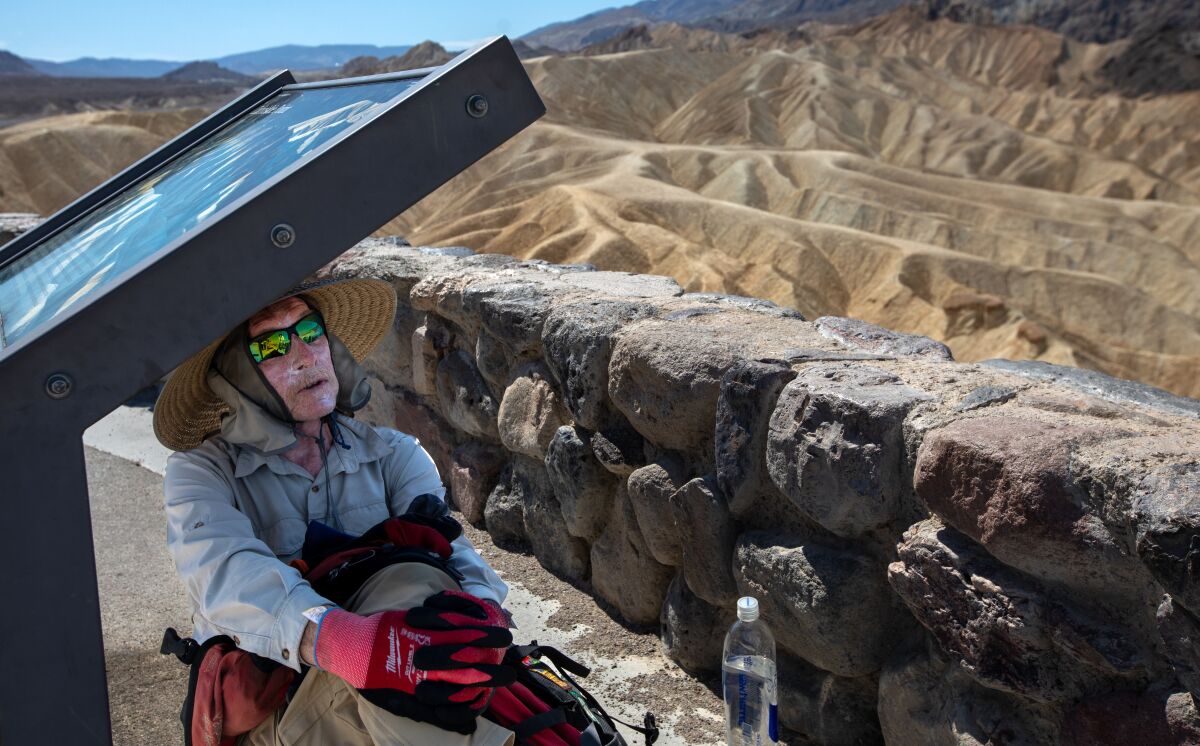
(750, 700)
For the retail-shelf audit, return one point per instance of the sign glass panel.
(181, 196)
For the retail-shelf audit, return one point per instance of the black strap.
(548, 719)
(649, 727)
(183, 648)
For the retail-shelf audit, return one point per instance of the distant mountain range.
(291, 56)
(1085, 20)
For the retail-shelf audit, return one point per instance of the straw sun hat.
(358, 312)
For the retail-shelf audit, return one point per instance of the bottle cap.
(747, 608)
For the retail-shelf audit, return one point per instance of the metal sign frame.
(87, 361)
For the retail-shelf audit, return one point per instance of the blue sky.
(61, 30)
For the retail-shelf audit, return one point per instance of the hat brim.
(358, 311)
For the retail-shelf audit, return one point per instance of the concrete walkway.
(140, 596)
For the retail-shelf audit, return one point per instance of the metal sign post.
(76, 361)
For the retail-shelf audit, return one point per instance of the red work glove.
(448, 650)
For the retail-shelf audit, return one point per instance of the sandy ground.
(140, 596)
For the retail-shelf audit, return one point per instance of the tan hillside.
(46, 163)
(984, 185)
(976, 184)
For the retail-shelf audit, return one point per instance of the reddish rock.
(1004, 629)
(1006, 481)
(1125, 718)
(474, 469)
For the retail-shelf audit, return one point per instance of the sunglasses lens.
(271, 345)
(309, 329)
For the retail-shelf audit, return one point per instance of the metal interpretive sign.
(113, 291)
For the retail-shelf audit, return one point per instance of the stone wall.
(948, 554)
(998, 553)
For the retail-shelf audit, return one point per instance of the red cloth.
(233, 695)
(514, 704)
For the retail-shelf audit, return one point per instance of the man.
(264, 446)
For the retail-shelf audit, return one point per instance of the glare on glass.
(183, 194)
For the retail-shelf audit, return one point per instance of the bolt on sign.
(113, 291)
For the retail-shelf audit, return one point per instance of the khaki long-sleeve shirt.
(237, 515)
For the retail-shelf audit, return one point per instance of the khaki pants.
(327, 710)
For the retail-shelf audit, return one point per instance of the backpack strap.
(528, 727)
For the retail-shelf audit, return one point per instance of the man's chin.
(314, 403)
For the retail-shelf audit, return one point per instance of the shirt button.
(316, 488)
(285, 653)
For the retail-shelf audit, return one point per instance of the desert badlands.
(988, 186)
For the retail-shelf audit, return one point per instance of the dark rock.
(512, 310)
(859, 335)
(1003, 628)
(707, 535)
(1099, 384)
(474, 471)
(13, 224)
(530, 411)
(623, 571)
(620, 449)
(985, 396)
(666, 378)
(687, 313)
(924, 699)
(831, 607)
(1166, 515)
(583, 487)
(749, 390)
(835, 446)
(1131, 717)
(464, 396)
(827, 709)
(577, 341)
(650, 490)
(557, 550)
(1006, 482)
(693, 632)
(504, 511)
(1180, 633)
(744, 302)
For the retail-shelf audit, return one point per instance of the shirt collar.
(366, 446)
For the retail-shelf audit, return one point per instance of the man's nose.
(304, 354)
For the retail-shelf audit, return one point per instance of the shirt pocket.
(285, 537)
(358, 519)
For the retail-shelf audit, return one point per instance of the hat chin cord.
(335, 432)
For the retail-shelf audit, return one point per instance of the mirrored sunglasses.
(277, 343)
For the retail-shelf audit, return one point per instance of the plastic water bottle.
(749, 677)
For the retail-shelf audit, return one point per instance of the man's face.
(304, 377)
